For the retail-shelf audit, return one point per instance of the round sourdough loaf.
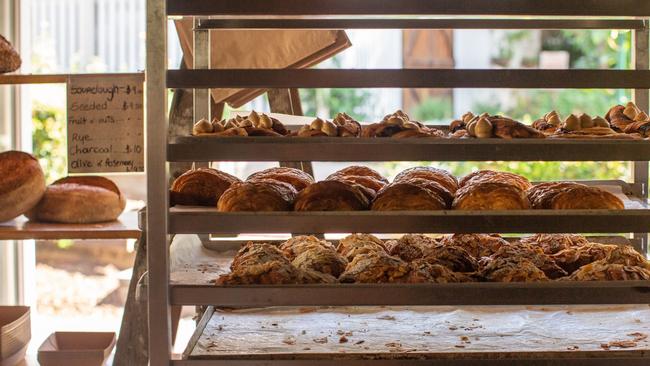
(79, 200)
(22, 184)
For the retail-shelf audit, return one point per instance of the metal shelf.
(632, 8)
(438, 23)
(209, 148)
(407, 78)
(210, 221)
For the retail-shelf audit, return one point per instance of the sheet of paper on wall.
(260, 49)
(105, 129)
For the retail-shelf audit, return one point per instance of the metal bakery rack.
(163, 221)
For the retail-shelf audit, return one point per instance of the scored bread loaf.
(22, 184)
(79, 200)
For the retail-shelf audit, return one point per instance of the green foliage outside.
(49, 140)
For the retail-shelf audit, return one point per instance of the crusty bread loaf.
(79, 200)
(22, 184)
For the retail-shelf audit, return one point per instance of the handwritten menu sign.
(105, 123)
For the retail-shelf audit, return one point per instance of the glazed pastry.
(9, 59)
(570, 259)
(356, 244)
(320, 259)
(442, 177)
(332, 195)
(200, 187)
(585, 198)
(375, 267)
(260, 195)
(477, 245)
(490, 196)
(531, 253)
(541, 195)
(79, 200)
(408, 196)
(554, 243)
(497, 177)
(421, 271)
(455, 258)
(399, 125)
(412, 246)
(22, 184)
(299, 244)
(603, 271)
(511, 270)
(296, 177)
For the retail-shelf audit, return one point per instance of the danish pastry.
(408, 196)
(322, 260)
(412, 246)
(512, 269)
(260, 195)
(442, 177)
(22, 185)
(477, 245)
(357, 244)
(331, 195)
(570, 259)
(585, 198)
(342, 126)
(254, 124)
(421, 271)
(375, 267)
(628, 119)
(486, 126)
(256, 253)
(490, 196)
(495, 177)
(79, 200)
(278, 272)
(533, 254)
(453, 257)
(200, 187)
(299, 244)
(627, 255)
(399, 125)
(603, 271)
(296, 177)
(554, 243)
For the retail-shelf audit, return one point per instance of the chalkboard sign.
(105, 123)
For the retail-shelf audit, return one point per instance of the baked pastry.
(399, 125)
(299, 244)
(409, 196)
(375, 267)
(264, 273)
(629, 119)
(531, 253)
(603, 271)
(341, 126)
(359, 171)
(260, 195)
(554, 243)
(511, 269)
(495, 177)
(22, 184)
(296, 177)
(572, 258)
(490, 196)
(453, 257)
(79, 200)
(200, 187)
(319, 259)
(9, 59)
(627, 255)
(412, 246)
(360, 175)
(441, 176)
(356, 244)
(585, 198)
(255, 253)
(477, 245)
(541, 195)
(253, 125)
(331, 195)
(421, 271)
(486, 126)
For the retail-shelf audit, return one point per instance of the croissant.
(407, 197)
(411, 247)
(443, 177)
(367, 182)
(544, 126)
(432, 186)
(200, 187)
(541, 195)
(357, 244)
(495, 177)
(554, 243)
(421, 271)
(585, 198)
(331, 195)
(299, 244)
(296, 177)
(359, 171)
(260, 195)
(375, 267)
(477, 245)
(490, 196)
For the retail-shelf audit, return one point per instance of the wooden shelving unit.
(521, 14)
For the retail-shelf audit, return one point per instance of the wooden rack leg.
(133, 342)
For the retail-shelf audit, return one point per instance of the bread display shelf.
(386, 149)
(126, 227)
(407, 78)
(409, 7)
(431, 335)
